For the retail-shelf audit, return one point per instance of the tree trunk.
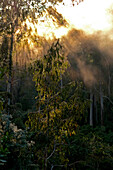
(10, 72)
(101, 105)
(109, 85)
(96, 114)
(91, 108)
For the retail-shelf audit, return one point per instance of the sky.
(89, 15)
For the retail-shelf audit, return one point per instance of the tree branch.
(52, 152)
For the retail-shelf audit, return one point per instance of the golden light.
(89, 16)
(47, 28)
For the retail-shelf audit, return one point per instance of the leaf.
(3, 161)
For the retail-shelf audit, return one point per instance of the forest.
(56, 89)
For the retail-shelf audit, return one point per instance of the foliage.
(92, 149)
(14, 148)
(60, 109)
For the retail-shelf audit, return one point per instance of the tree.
(13, 13)
(59, 110)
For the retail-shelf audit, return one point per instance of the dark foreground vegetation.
(62, 128)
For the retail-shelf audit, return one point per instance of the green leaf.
(3, 161)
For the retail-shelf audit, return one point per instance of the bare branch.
(52, 152)
(108, 99)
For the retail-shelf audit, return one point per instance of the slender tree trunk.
(91, 108)
(10, 72)
(96, 114)
(109, 85)
(48, 117)
(101, 105)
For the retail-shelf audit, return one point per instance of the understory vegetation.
(53, 131)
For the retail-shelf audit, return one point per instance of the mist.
(90, 56)
(87, 45)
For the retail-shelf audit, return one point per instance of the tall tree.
(12, 14)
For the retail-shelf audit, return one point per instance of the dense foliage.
(57, 134)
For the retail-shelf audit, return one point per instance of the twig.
(52, 152)
(105, 96)
(108, 99)
(69, 164)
